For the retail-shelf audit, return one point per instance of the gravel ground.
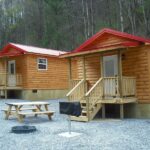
(107, 134)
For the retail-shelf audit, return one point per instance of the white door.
(11, 73)
(110, 66)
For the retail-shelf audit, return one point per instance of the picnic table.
(20, 109)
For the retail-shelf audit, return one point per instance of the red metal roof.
(23, 49)
(135, 39)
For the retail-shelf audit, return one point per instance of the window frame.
(46, 64)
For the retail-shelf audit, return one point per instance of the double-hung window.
(42, 63)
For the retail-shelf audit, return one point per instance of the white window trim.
(40, 63)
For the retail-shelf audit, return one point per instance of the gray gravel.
(96, 135)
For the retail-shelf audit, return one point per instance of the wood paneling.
(92, 67)
(136, 63)
(55, 77)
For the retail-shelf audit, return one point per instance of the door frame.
(11, 77)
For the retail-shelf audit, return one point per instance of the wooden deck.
(104, 91)
(118, 100)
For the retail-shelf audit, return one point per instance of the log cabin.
(112, 76)
(32, 73)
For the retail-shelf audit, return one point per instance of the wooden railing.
(128, 86)
(94, 94)
(78, 91)
(10, 80)
(73, 83)
(3, 79)
(111, 87)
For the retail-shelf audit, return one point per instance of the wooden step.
(80, 118)
(83, 101)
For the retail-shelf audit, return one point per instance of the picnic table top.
(27, 103)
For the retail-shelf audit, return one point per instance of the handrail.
(70, 92)
(93, 87)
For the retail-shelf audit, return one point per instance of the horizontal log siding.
(74, 71)
(92, 67)
(135, 63)
(55, 77)
(21, 67)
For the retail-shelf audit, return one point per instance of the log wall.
(135, 62)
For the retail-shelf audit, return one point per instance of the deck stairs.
(106, 90)
(88, 99)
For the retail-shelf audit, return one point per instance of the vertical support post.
(102, 66)
(84, 72)
(69, 74)
(121, 111)
(6, 77)
(102, 73)
(120, 73)
(84, 77)
(103, 111)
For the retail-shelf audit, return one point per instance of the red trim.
(5, 52)
(10, 55)
(125, 44)
(8, 46)
(113, 32)
(118, 45)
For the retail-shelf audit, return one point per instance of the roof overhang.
(17, 51)
(103, 41)
(107, 48)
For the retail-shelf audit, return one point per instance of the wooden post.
(120, 73)
(103, 111)
(102, 74)
(69, 72)
(84, 77)
(121, 111)
(6, 76)
(102, 66)
(84, 70)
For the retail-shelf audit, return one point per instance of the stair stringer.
(96, 109)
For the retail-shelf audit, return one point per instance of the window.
(42, 64)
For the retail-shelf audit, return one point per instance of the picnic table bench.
(18, 109)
